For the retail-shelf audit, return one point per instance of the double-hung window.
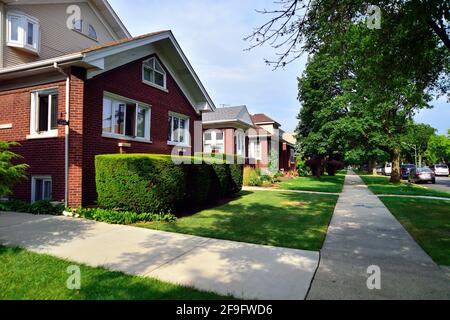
(44, 113)
(153, 73)
(23, 32)
(124, 118)
(214, 141)
(41, 188)
(178, 129)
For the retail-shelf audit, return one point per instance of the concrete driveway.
(243, 270)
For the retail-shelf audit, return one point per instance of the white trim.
(117, 98)
(43, 63)
(6, 126)
(46, 135)
(22, 32)
(108, 135)
(49, 133)
(187, 133)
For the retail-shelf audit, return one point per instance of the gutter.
(43, 63)
(66, 135)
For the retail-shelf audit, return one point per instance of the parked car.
(417, 175)
(441, 170)
(380, 170)
(404, 170)
(388, 169)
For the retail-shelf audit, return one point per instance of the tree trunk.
(395, 156)
(373, 167)
(420, 160)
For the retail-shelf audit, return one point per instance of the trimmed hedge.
(154, 183)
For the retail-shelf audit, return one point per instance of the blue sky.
(211, 34)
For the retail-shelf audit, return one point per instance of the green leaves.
(9, 172)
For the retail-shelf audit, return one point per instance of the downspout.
(2, 34)
(67, 131)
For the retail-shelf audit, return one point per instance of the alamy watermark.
(74, 280)
(374, 17)
(374, 280)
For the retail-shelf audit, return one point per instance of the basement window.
(41, 188)
(23, 32)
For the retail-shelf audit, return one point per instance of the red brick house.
(269, 139)
(134, 95)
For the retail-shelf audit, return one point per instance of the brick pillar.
(76, 138)
(229, 141)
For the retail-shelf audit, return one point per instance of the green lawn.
(381, 185)
(324, 184)
(428, 221)
(282, 219)
(29, 276)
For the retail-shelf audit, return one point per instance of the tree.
(9, 173)
(291, 27)
(415, 141)
(388, 74)
(438, 149)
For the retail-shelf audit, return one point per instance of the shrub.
(39, 207)
(154, 183)
(46, 208)
(10, 173)
(251, 177)
(118, 217)
(139, 183)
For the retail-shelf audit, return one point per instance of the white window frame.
(22, 41)
(150, 83)
(214, 143)
(34, 133)
(44, 179)
(187, 136)
(255, 149)
(117, 100)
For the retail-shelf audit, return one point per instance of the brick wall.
(45, 156)
(126, 81)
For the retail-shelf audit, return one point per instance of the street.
(442, 184)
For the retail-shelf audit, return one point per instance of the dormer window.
(23, 32)
(154, 74)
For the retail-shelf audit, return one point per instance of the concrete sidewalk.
(242, 270)
(364, 233)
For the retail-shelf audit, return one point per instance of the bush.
(46, 208)
(252, 178)
(154, 183)
(139, 183)
(118, 217)
(16, 206)
(39, 207)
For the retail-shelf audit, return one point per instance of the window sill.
(23, 47)
(151, 84)
(178, 144)
(46, 135)
(118, 137)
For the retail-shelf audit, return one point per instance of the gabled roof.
(261, 118)
(95, 60)
(228, 115)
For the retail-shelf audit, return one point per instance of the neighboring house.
(270, 137)
(67, 95)
(225, 130)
